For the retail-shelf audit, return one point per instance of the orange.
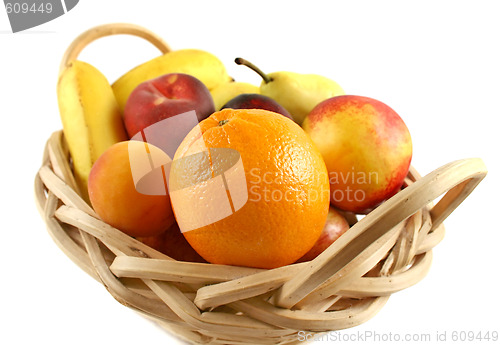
(274, 180)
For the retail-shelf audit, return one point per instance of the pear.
(227, 91)
(297, 93)
(199, 63)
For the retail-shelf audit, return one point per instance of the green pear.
(297, 93)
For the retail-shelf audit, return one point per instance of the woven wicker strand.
(388, 250)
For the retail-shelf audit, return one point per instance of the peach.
(114, 194)
(367, 149)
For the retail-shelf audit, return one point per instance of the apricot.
(124, 203)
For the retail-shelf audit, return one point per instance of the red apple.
(336, 224)
(173, 243)
(166, 96)
(256, 101)
(367, 149)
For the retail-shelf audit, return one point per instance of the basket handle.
(92, 34)
(456, 179)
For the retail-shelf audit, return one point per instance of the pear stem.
(241, 61)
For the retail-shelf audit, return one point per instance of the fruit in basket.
(367, 149)
(166, 96)
(201, 64)
(173, 244)
(285, 181)
(114, 193)
(256, 101)
(90, 117)
(336, 224)
(297, 93)
(227, 91)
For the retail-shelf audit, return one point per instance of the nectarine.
(163, 97)
(173, 243)
(256, 101)
(336, 224)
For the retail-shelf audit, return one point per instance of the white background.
(435, 63)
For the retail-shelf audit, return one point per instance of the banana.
(198, 63)
(90, 117)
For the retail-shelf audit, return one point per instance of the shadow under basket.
(388, 250)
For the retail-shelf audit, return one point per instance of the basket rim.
(200, 299)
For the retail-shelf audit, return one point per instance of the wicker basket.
(386, 251)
